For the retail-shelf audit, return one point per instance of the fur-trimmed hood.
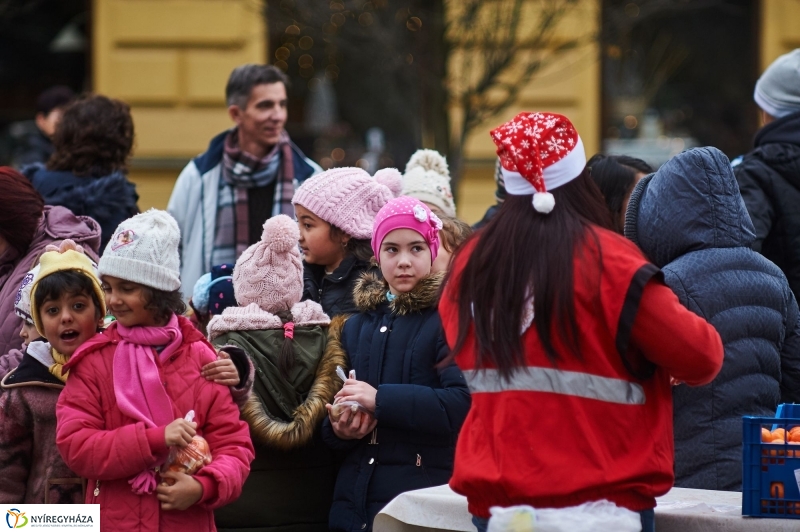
(268, 428)
(254, 318)
(370, 293)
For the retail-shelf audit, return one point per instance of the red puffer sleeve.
(675, 338)
(88, 446)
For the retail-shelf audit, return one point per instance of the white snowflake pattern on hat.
(543, 151)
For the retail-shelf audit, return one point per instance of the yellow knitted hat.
(69, 256)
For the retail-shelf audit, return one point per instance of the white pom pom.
(543, 202)
(429, 160)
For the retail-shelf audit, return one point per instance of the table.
(681, 510)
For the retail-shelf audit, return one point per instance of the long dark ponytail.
(522, 253)
(286, 359)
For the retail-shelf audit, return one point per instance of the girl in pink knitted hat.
(335, 211)
(406, 441)
(285, 339)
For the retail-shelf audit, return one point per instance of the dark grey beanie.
(632, 213)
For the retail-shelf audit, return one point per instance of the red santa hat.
(539, 152)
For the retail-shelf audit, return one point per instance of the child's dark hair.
(163, 304)
(615, 176)
(72, 282)
(360, 248)
(286, 360)
(454, 233)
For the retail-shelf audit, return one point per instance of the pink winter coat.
(100, 443)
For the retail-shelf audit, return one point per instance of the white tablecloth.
(680, 510)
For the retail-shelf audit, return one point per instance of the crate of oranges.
(771, 464)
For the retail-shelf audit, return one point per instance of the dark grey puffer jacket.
(691, 221)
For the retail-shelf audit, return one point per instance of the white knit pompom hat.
(427, 178)
(144, 250)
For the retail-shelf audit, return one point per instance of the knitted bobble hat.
(406, 213)
(349, 198)
(22, 303)
(539, 152)
(270, 272)
(427, 178)
(144, 250)
(66, 256)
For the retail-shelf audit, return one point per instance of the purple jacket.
(57, 224)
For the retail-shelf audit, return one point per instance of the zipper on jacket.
(419, 460)
(374, 439)
(97, 487)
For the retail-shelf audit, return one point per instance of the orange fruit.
(766, 435)
(794, 434)
(774, 450)
(779, 434)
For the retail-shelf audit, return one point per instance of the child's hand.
(180, 432)
(222, 371)
(185, 492)
(359, 391)
(352, 426)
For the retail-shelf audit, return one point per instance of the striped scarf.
(241, 172)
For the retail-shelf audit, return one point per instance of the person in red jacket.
(130, 388)
(568, 338)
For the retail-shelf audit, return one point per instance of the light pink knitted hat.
(270, 272)
(348, 197)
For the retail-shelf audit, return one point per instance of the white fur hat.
(144, 250)
(427, 178)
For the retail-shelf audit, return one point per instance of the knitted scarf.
(241, 172)
(137, 384)
(54, 361)
(58, 364)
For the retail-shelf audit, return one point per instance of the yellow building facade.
(170, 60)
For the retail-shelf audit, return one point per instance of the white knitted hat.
(22, 303)
(427, 178)
(144, 250)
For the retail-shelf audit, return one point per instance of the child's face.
(69, 321)
(28, 333)
(126, 302)
(405, 259)
(315, 240)
(442, 261)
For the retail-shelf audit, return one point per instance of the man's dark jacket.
(769, 179)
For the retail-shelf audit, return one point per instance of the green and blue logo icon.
(16, 518)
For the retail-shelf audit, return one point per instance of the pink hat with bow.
(406, 213)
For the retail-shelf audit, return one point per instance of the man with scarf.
(248, 174)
